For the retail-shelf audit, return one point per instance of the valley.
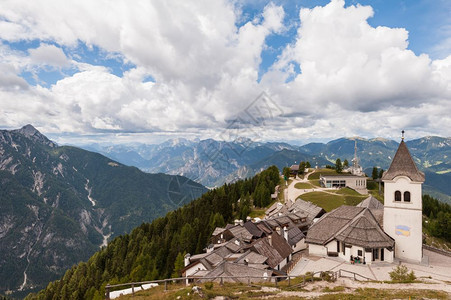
(244, 158)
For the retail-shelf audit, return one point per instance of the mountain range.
(213, 163)
(59, 204)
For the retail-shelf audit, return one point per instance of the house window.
(406, 196)
(397, 196)
(359, 253)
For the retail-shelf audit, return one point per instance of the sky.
(296, 71)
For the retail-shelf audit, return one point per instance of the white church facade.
(403, 205)
(374, 232)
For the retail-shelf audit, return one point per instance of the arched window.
(397, 196)
(406, 196)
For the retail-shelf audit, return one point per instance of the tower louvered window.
(406, 196)
(397, 196)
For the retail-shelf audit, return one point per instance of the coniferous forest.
(439, 222)
(150, 251)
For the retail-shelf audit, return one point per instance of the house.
(354, 182)
(294, 169)
(249, 249)
(275, 248)
(275, 209)
(348, 232)
(309, 209)
(238, 272)
(296, 239)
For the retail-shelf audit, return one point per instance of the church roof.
(371, 203)
(351, 225)
(364, 231)
(403, 165)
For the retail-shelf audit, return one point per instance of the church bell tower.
(403, 205)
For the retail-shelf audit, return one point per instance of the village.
(297, 237)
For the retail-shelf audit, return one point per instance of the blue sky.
(189, 69)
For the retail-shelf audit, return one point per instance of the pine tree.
(345, 163)
(375, 173)
(179, 264)
(338, 166)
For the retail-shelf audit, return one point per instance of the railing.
(320, 275)
(354, 275)
(440, 251)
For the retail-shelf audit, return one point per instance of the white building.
(354, 182)
(403, 205)
(351, 233)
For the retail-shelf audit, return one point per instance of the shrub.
(401, 274)
(208, 285)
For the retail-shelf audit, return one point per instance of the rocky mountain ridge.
(214, 162)
(58, 205)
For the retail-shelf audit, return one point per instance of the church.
(374, 232)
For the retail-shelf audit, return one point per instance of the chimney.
(279, 231)
(285, 233)
(187, 259)
(270, 240)
(236, 222)
(210, 248)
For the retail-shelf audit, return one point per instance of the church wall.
(388, 256)
(403, 220)
(403, 184)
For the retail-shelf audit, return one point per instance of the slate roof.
(263, 248)
(276, 253)
(294, 235)
(327, 226)
(371, 203)
(217, 231)
(364, 231)
(253, 229)
(241, 232)
(310, 209)
(403, 165)
(251, 257)
(264, 227)
(351, 225)
(276, 208)
(281, 245)
(233, 269)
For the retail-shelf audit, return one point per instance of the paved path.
(439, 267)
(292, 193)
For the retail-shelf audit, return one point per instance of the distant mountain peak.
(29, 130)
(32, 133)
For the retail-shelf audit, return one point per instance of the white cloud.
(48, 55)
(353, 67)
(355, 78)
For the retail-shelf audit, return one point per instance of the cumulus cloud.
(48, 55)
(353, 79)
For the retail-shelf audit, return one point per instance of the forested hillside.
(58, 205)
(150, 251)
(439, 218)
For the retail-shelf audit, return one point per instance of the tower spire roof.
(403, 165)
